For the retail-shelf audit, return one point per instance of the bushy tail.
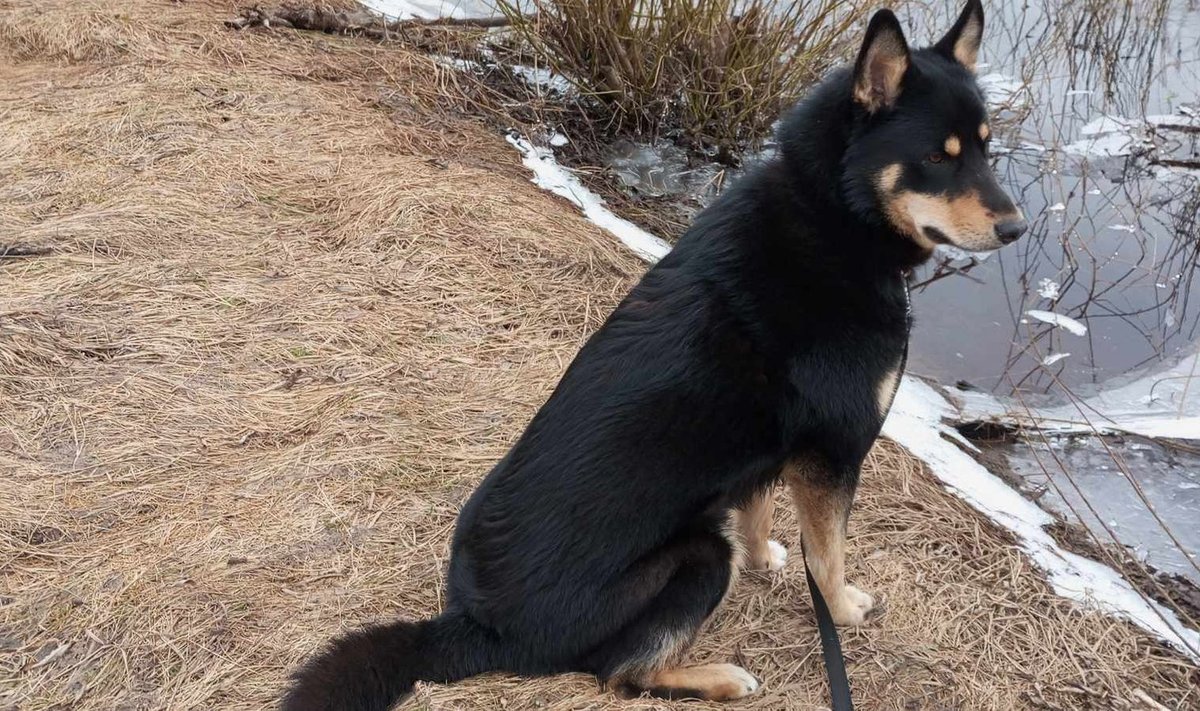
(373, 668)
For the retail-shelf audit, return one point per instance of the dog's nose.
(1009, 231)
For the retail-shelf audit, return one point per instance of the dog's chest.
(888, 384)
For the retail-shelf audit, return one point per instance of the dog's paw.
(737, 682)
(852, 607)
(776, 555)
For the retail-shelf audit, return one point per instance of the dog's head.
(920, 148)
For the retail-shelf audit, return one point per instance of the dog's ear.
(882, 61)
(961, 43)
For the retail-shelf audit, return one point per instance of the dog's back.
(766, 346)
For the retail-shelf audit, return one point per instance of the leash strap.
(831, 647)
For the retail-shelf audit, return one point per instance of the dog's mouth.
(935, 235)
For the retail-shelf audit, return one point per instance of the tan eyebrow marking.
(889, 177)
(953, 146)
(984, 131)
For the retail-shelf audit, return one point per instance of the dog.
(766, 347)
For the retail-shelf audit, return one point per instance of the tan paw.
(852, 607)
(713, 682)
(734, 682)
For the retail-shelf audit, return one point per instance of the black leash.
(831, 647)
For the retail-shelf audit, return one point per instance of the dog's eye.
(936, 157)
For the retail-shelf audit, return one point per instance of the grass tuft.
(716, 73)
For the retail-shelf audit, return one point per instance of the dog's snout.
(1010, 230)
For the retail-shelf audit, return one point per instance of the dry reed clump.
(717, 71)
(292, 314)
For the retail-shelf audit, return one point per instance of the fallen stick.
(15, 250)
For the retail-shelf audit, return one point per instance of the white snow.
(1107, 145)
(543, 78)
(558, 140)
(1107, 124)
(1109, 136)
(431, 9)
(462, 65)
(1160, 404)
(1163, 403)
(1001, 89)
(1174, 120)
(1056, 207)
(916, 423)
(1059, 320)
(1054, 358)
(1123, 228)
(549, 175)
(1049, 289)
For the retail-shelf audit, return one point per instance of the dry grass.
(292, 314)
(718, 71)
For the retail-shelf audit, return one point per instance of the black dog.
(768, 345)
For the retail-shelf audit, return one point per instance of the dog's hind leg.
(823, 505)
(754, 523)
(643, 656)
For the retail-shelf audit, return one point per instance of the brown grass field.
(293, 309)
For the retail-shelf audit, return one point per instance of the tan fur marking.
(886, 391)
(714, 682)
(963, 219)
(966, 49)
(883, 69)
(889, 178)
(754, 520)
(984, 131)
(823, 512)
(953, 146)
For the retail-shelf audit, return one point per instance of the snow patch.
(549, 175)
(1049, 289)
(1163, 403)
(431, 9)
(1001, 89)
(1065, 322)
(541, 77)
(1054, 358)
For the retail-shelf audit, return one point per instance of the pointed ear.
(961, 43)
(881, 64)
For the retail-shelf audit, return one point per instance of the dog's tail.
(373, 668)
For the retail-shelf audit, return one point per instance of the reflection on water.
(1113, 240)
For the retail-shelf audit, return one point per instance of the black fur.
(761, 338)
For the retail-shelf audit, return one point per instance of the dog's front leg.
(754, 522)
(823, 505)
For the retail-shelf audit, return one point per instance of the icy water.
(1113, 240)
(1096, 110)
(1098, 131)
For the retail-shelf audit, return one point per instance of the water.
(1096, 118)
(1098, 122)
(1113, 238)
(1087, 481)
